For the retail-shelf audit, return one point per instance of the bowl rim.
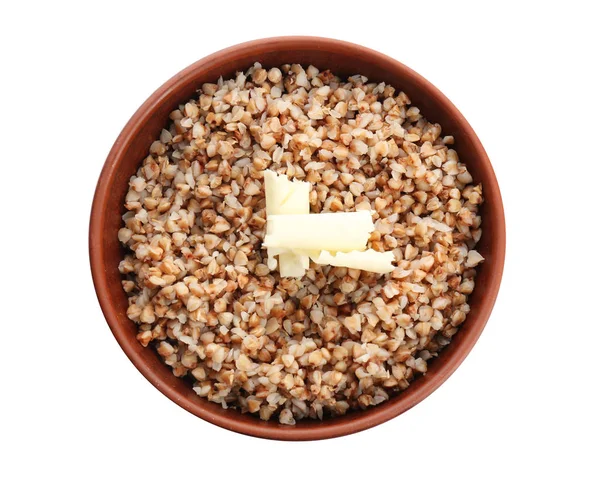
(338, 426)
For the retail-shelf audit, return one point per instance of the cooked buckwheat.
(198, 282)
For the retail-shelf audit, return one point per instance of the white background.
(524, 405)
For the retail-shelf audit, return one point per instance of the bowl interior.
(343, 59)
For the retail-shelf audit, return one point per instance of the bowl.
(143, 128)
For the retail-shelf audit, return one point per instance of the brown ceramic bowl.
(343, 59)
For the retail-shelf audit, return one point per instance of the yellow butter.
(370, 260)
(336, 232)
(285, 197)
(294, 236)
(292, 198)
(292, 265)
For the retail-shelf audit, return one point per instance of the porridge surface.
(337, 339)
